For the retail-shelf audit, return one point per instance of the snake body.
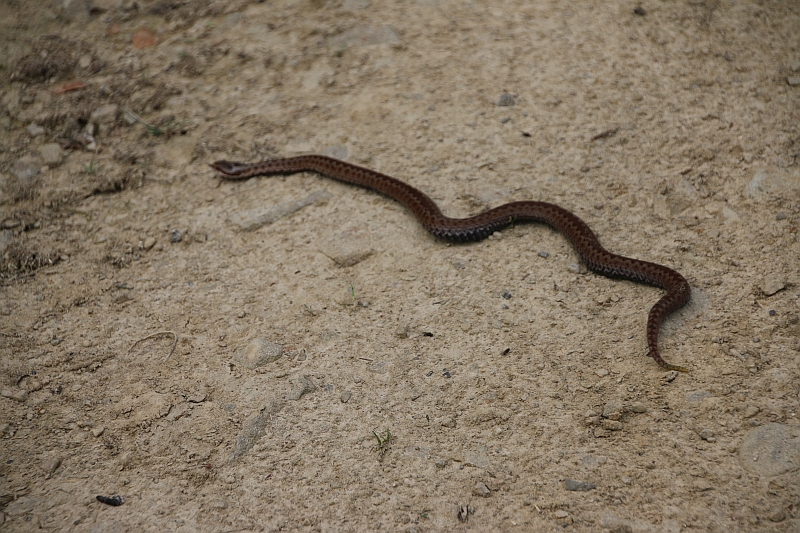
(480, 226)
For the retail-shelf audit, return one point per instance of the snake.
(478, 227)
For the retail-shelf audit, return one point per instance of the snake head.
(229, 168)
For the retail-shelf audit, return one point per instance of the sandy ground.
(297, 354)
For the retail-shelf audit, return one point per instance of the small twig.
(90, 362)
(13, 279)
(137, 118)
(159, 334)
(605, 134)
(152, 129)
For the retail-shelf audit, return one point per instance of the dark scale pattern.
(476, 228)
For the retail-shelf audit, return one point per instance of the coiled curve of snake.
(478, 227)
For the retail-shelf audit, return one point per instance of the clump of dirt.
(19, 258)
(55, 57)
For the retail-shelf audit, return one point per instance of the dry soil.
(297, 354)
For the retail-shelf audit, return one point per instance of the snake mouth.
(228, 168)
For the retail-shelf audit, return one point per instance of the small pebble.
(592, 421)
(50, 465)
(506, 295)
(105, 114)
(639, 10)
(52, 154)
(25, 170)
(403, 331)
(198, 397)
(449, 422)
(578, 486)
(345, 397)
(301, 387)
(612, 425)
(18, 395)
(561, 514)
(476, 459)
(772, 312)
(96, 432)
(148, 243)
(481, 490)
(175, 236)
(780, 216)
(34, 130)
(349, 247)
(601, 433)
(734, 353)
(707, 435)
(638, 407)
(612, 410)
(506, 100)
(602, 372)
(777, 515)
(258, 352)
(543, 254)
(33, 384)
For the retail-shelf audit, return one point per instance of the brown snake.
(582, 238)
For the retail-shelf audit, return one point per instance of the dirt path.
(297, 354)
